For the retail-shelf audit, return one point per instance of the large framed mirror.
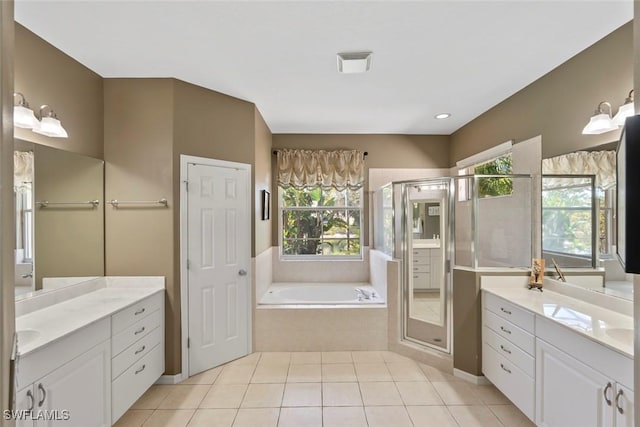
(59, 202)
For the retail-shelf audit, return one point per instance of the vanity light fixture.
(49, 125)
(23, 116)
(442, 116)
(626, 110)
(600, 122)
(354, 62)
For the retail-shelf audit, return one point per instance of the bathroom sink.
(27, 336)
(620, 334)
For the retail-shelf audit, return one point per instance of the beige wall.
(262, 181)
(559, 104)
(45, 75)
(138, 153)
(69, 240)
(7, 224)
(385, 151)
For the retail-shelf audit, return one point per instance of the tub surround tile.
(341, 394)
(372, 372)
(169, 418)
(134, 418)
(251, 417)
(418, 393)
(385, 416)
(338, 372)
(344, 416)
(302, 394)
(380, 394)
(474, 416)
(213, 418)
(436, 416)
(224, 396)
(304, 374)
(263, 396)
(299, 417)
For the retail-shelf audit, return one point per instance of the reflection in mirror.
(59, 199)
(571, 232)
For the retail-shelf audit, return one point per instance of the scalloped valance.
(339, 169)
(602, 164)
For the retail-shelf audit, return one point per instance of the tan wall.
(45, 75)
(559, 104)
(385, 151)
(138, 154)
(262, 181)
(7, 224)
(69, 240)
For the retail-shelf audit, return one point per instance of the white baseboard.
(477, 380)
(170, 379)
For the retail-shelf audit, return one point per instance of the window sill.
(294, 258)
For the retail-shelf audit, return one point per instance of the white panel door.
(219, 236)
(82, 387)
(570, 393)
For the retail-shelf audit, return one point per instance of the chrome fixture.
(626, 110)
(600, 122)
(23, 116)
(49, 125)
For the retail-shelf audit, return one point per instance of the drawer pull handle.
(141, 369)
(505, 369)
(503, 329)
(505, 311)
(506, 350)
(605, 391)
(140, 350)
(32, 401)
(415, 277)
(618, 407)
(139, 331)
(415, 268)
(142, 310)
(43, 392)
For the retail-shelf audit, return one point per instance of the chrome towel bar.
(46, 203)
(115, 203)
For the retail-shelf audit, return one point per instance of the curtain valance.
(22, 168)
(339, 169)
(602, 164)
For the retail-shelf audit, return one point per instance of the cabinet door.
(78, 394)
(569, 393)
(25, 401)
(623, 407)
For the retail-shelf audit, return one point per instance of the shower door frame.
(448, 252)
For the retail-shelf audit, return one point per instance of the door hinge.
(188, 264)
(188, 342)
(186, 186)
(447, 266)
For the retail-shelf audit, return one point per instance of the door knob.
(242, 272)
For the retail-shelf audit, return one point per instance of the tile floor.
(351, 389)
(426, 306)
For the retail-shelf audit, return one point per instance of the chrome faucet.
(362, 294)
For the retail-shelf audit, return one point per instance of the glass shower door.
(426, 235)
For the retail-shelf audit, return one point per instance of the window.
(488, 186)
(606, 215)
(320, 222)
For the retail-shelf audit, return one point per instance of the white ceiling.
(428, 57)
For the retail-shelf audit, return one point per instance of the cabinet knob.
(605, 391)
(618, 407)
(43, 393)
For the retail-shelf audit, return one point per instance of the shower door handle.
(242, 272)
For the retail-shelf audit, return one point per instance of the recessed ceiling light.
(354, 62)
(443, 116)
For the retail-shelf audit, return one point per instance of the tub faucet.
(365, 294)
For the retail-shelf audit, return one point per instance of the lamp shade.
(50, 126)
(599, 123)
(23, 117)
(626, 110)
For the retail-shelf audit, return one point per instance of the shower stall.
(475, 222)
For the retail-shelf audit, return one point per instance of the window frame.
(319, 257)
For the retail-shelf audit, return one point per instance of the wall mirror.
(59, 202)
(578, 219)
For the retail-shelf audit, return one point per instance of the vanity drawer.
(127, 317)
(420, 268)
(509, 351)
(423, 258)
(509, 379)
(134, 352)
(510, 332)
(133, 382)
(514, 314)
(135, 332)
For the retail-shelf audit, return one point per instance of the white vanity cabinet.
(426, 268)
(69, 382)
(508, 345)
(580, 382)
